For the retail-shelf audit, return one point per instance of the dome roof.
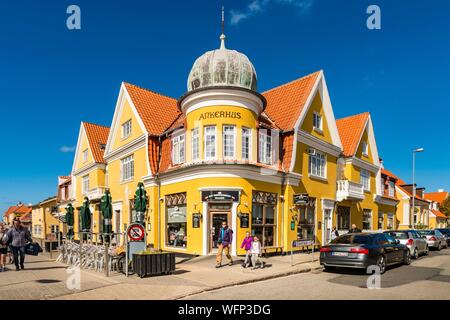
(222, 67)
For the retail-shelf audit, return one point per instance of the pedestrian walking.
(256, 253)
(334, 234)
(247, 246)
(224, 241)
(354, 229)
(18, 236)
(3, 246)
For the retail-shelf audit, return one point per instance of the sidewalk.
(46, 279)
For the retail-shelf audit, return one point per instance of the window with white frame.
(54, 228)
(127, 168)
(246, 139)
(380, 220)
(391, 189)
(229, 136)
(317, 121)
(126, 129)
(178, 148)
(210, 142)
(195, 141)
(85, 155)
(365, 148)
(265, 147)
(317, 164)
(390, 221)
(367, 219)
(85, 184)
(365, 179)
(37, 230)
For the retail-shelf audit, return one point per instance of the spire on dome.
(222, 36)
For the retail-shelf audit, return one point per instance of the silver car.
(416, 244)
(435, 238)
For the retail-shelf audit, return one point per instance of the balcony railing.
(96, 193)
(349, 190)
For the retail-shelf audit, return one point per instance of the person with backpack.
(3, 246)
(18, 236)
(224, 241)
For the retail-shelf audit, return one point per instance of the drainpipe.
(158, 185)
(283, 180)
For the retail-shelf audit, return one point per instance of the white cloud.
(260, 6)
(66, 149)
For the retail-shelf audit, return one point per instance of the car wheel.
(407, 257)
(381, 263)
(427, 250)
(439, 247)
(416, 254)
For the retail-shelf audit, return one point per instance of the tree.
(445, 207)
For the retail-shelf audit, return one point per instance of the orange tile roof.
(9, 211)
(439, 214)
(23, 209)
(438, 197)
(157, 111)
(350, 130)
(286, 102)
(97, 135)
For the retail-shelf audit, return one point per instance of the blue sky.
(52, 78)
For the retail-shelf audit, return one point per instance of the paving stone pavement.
(43, 278)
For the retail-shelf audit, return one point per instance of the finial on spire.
(222, 36)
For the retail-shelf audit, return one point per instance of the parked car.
(435, 238)
(416, 244)
(362, 250)
(446, 233)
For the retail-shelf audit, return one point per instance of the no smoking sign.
(136, 232)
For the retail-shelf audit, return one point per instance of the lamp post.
(414, 183)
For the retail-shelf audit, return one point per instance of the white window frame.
(318, 158)
(195, 144)
(246, 134)
(365, 148)
(317, 122)
(178, 148)
(391, 189)
(390, 218)
(85, 155)
(265, 147)
(370, 221)
(364, 176)
(210, 154)
(126, 129)
(85, 184)
(229, 134)
(127, 173)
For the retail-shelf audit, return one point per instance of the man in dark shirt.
(354, 229)
(18, 236)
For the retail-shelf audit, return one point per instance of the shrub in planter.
(151, 263)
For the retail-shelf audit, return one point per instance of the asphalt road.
(426, 278)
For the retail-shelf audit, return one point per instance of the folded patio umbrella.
(106, 208)
(85, 215)
(140, 202)
(69, 221)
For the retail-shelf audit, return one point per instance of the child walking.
(247, 245)
(256, 253)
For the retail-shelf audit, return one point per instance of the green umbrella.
(85, 215)
(69, 220)
(140, 202)
(106, 207)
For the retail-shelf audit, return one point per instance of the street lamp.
(414, 183)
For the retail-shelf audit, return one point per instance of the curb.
(238, 283)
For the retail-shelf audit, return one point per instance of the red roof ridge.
(354, 115)
(149, 90)
(293, 81)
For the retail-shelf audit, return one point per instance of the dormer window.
(365, 148)
(126, 129)
(317, 122)
(178, 148)
(265, 147)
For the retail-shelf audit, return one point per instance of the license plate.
(339, 254)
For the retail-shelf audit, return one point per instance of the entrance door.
(326, 225)
(216, 223)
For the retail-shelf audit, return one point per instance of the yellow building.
(276, 164)
(88, 178)
(64, 197)
(45, 223)
(359, 175)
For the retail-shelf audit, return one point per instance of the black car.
(446, 233)
(362, 250)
